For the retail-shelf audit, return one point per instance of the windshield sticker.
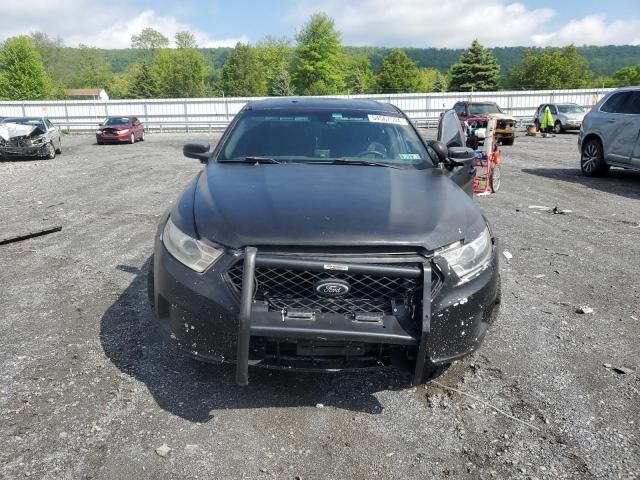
(409, 156)
(387, 119)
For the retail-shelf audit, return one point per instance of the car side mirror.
(197, 150)
(441, 150)
(101, 124)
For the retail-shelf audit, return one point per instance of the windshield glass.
(34, 122)
(116, 121)
(323, 135)
(483, 108)
(570, 109)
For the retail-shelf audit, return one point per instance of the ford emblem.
(332, 288)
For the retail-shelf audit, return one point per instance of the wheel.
(508, 141)
(59, 149)
(51, 151)
(557, 127)
(592, 161)
(133, 138)
(536, 122)
(496, 176)
(142, 136)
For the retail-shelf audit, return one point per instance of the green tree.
(274, 54)
(551, 69)
(185, 39)
(150, 41)
(476, 70)
(141, 82)
(242, 75)
(280, 84)
(627, 76)
(93, 70)
(22, 74)
(52, 52)
(358, 77)
(440, 85)
(179, 73)
(398, 74)
(316, 68)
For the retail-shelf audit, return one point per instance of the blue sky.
(417, 23)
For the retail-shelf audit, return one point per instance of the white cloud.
(593, 30)
(87, 22)
(439, 23)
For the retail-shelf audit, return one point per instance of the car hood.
(331, 205)
(12, 130)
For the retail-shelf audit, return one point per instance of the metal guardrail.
(209, 114)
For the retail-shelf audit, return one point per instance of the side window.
(460, 110)
(632, 106)
(616, 103)
(554, 109)
(48, 122)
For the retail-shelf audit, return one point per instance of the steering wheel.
(374, 152)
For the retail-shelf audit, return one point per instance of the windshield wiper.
(343, 161)
(250, 159)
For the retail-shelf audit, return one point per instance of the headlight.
(124, 130)
(469, 259)
(38, 141)
(98, 132)
(187, 250)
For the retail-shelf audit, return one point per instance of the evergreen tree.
(142, 82)
(476, 70)
(280, 84)
(440, 84)
(358, 77)
(316, 66)
(242, 75)
(552, 69)
(398, 74)
(22, 74)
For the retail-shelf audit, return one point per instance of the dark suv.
(610, 133)
(326, 234)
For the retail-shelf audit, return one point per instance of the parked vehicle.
(474, 115)
(326, 234)
(566, 116)
(120, 129)
(29, 137)
(610, 133)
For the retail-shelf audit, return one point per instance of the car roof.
(478, 102)
(310, 103)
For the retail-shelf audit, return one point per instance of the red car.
(120, 129)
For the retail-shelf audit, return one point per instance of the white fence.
(211, 113)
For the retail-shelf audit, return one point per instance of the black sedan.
(326, 234)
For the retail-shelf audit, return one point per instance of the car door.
(54, 133)
(618, 128)
(137, 128)
(633, 110)
(450, 133)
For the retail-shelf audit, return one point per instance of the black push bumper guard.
(272, 324)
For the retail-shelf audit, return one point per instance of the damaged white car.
(29, 137)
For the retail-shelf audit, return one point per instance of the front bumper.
(201, 313)
(29, 151)
(121, 137)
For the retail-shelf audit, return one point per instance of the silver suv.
(566, 116)
(610, 133)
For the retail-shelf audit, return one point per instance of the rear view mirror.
(440, 149)
(197, 150)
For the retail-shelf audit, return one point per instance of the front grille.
(287, 289)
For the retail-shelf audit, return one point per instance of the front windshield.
(34, 122)
(116, 121)
(570, 109)
(308, 136)
(483, 108)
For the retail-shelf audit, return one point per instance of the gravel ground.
(86, 392)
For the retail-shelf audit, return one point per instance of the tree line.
(316, 63)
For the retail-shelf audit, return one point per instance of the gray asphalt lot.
(87, 392)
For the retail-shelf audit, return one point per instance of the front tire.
(557, 127)
(142, 136)
(59, 149)
(536, 122)
(508, 141)
(592, 161)
(51, 151)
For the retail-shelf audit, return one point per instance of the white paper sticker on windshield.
(387, 119)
